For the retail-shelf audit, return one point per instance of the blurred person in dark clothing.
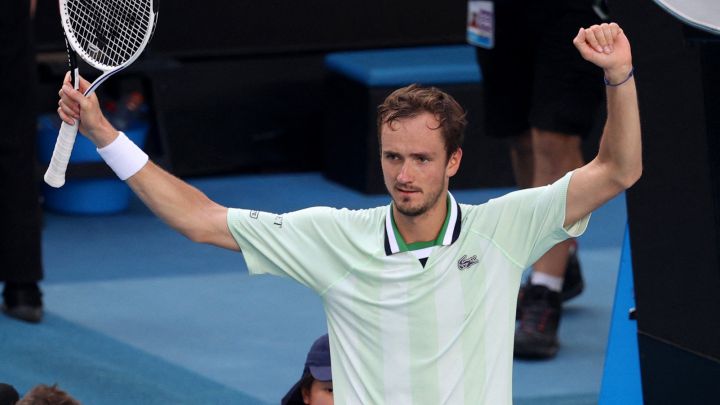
(20, 254)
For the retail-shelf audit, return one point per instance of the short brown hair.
(42, 394)
(413, 100)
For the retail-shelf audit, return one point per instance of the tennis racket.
(109, 35)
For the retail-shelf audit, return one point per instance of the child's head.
(315, 386)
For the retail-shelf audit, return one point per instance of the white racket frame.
(55, 174)
(702, 14)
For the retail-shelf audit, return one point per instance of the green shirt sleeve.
(298, 245)
(527, 223)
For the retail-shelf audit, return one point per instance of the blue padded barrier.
(403, 66)
(621, 382)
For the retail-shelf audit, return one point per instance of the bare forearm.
(182, 206)
(618, 164)
(621, 147)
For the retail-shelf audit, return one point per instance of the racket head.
(108, 34)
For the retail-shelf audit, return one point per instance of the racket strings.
(109, 32)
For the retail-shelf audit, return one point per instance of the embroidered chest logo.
(465, 262)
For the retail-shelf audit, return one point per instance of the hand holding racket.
(84, 112)
(109, 35)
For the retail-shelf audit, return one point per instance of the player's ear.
(454, 162)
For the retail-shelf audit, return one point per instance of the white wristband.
(123, 156)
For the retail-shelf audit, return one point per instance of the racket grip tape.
(55, 174)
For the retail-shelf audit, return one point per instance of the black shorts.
(534, 76)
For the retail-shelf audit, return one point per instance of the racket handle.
(55, 174)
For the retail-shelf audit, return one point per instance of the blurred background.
(258, 107)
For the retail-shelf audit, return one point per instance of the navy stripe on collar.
(452, 233)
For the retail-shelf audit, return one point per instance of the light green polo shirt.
(401, 333)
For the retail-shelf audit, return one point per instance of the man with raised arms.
(420, 294)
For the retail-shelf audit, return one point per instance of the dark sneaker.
(536, 333)
(23, 301)
(573, 283)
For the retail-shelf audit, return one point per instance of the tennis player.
(420, 294)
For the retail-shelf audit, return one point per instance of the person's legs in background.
(555, 154)
(540, 299)
(566, 99)
(20, 244)
(521, 156)
(540, 95)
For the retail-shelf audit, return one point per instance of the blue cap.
(317, 364)
(318, 359)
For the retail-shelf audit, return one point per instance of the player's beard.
(430, 200)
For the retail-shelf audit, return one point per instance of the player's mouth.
(406, 191)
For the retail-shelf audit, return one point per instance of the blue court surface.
(136, 314)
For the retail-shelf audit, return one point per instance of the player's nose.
(405, 174)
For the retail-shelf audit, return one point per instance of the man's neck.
(424, 227)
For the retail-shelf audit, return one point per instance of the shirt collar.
(448, 235)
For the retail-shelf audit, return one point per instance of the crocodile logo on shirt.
(465, 262)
